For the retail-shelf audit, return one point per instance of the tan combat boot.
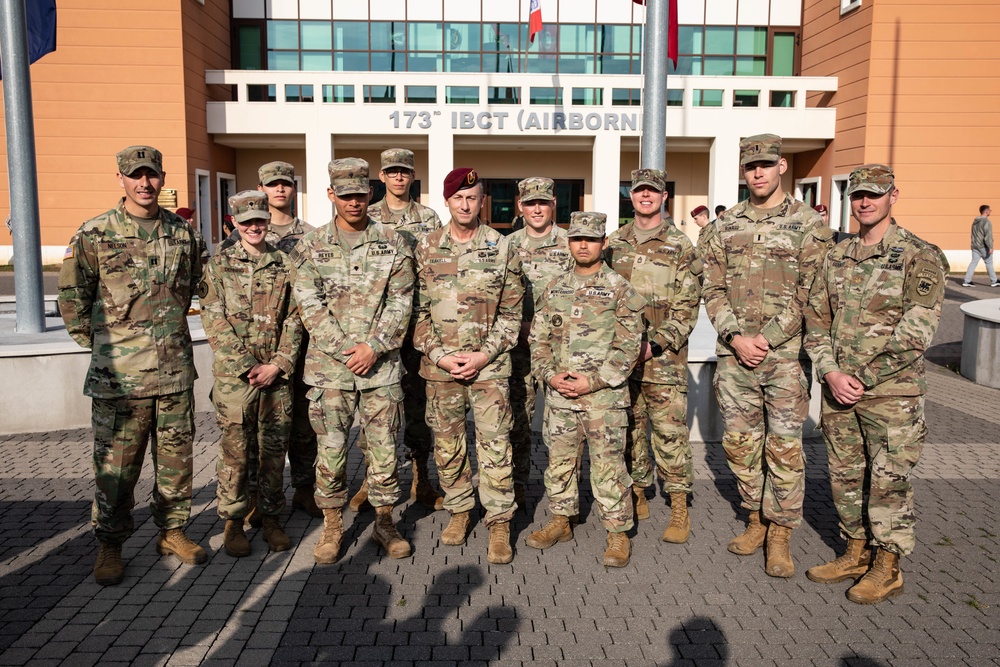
(421, 489)
(641, 505)
(359, 502)
(454, 533)
(305, 500)
(253, 516)
(174, 541)
(883, 581)
(618, 551)
(778, 557)
(499, 550)
(851, 565)
(556, 530)
(328, 548)
(275, 535)
(234, 540)
(680, 523)
(108, 568)
(384, 532)
(752, 538)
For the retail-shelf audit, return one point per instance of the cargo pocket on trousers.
(317, 417)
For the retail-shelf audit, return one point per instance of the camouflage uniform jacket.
(592, 327)
(541, 264)
(758, 273)
(248, 311)
(127, 298)
(665, 270)
(284, 243)
(416, 221)
(467, 301)
(873, 318)
(365, 296)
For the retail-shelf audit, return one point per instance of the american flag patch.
(69, 253)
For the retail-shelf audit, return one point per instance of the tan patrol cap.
(654, 178)
(397, 157)
(276, 171)
(760, 148)
(588, 224)
(349, 176)
(536, 187)
(248, 205)
(875, 178)
(135, 157)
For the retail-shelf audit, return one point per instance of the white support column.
(606, 171)
(440, 161)
(319, 152)
(724, 172)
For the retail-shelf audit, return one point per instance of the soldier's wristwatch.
(731, 335)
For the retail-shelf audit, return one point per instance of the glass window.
(587, 96)
(462, 62)
(546, 95)
(387, 35)
(626, 97)
(350, 62)
(500, 62)
(298, 93)
(541, 64)
(316, 35)
(746, 98)
(545, 41)
(751, 66)
(715, 66)
(707, 98)
(690, 39)
(393, 61)
(258, 92)
(569, 198)
(380, 94)
(783, 56)
(338, 94)
(576, 64)
(461, 94)
(462, 37)
(250, 54)
(282, 35)
(720, 39)
(283, 60)
(503, 95)
(424, 62)
(425, 37)
(317, 61)
(751, 41)
(421, 94)
(617, 64)
(576, 38)
(512, 36)
(350, 35)
(781, 98)
(614, 39)
(689, 65)
(675, 98)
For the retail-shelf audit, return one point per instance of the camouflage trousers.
(258, 421)
(301, 442)
(447, 405)
(122, 429)
(763, 410)
(664, 408)
(881, 439)
(331, 412)
(604, 433)
(416, 433)
(523, 393)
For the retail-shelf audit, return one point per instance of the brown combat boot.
(499, 550)
(108, 568)
(234, 540)
(851, 565)
(641, 505)
(458, 526)
(253, 517)
(778, 557)
(421, 489)
(883, 581)
(305, 500)
(556, 530)
(618, 551)
(680, 523)
(175, 542)
(384, 532)
(328, 548)
(752, 538)
(275, 535)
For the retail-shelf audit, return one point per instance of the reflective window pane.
(461, 95)
(462, 62)
(576, 38)
(784, 55)
(581, 64)
(317, 61)
(614, 39)
(588, 96)
(615, 65)
(338, 94)
(750, 66)
(380, 94)
(690, 40)
(751, 41)
(500, 62)
(718, 66)
(386, 35)
(393, 61)
(462, 37)
(283, 60)
(421, 94)
(350, 62)
(350, 36)
(425, 37)
(545, 96)
(720, 39)
(316, 35)
(423, 62)
(282, 34)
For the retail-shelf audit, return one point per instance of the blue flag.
(41, 19)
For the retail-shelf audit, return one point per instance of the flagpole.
(654, 87)
(21, 168)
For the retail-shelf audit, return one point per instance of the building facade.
(222, 86)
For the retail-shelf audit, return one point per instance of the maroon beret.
(699, 210)
(459, 179)
(184, 212)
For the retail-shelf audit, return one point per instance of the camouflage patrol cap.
(588, 224)
(531, 189)
(875, 178)
(349, 176)
(397, 157)
(276, 171)
(760, 148)
(135, 157)
(654, 178)
(248, 205)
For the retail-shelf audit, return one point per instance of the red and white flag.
(534, 20)
(671, 28)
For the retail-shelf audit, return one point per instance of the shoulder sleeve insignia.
(203, 289)
(69, 253)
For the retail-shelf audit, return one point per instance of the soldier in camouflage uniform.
(413, 221)
(661, 264)
(585, 340)
(544, 254)
(277, 181)
(469, 290)
(700, 217)
(354, 287)
(254, 329)
(760, 262)
(125, 288)
(873, 310)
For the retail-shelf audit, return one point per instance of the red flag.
(671, 29)
(534, 20)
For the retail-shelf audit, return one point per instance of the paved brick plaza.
(673, 605)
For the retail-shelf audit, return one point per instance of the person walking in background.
(982, 247)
